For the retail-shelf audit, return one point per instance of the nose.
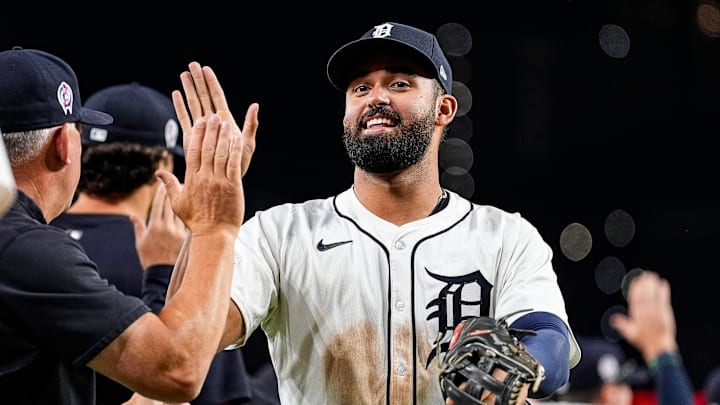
(378, 96)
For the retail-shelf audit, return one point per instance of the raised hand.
(211, 199)
(205, 96)
(160, 240)
(650, 322)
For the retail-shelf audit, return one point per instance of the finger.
(217, 95)
(191, 95)
(623, 325)
(182, 116)
(193, 153)
(209, 145)
(249, 131)
(664, 293)
(222, 151)
(166, 211)
(156, 209)
(251, 123)
(235, 160)
(203, 94)
(173, 188)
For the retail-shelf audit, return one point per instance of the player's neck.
(137, 204)
(398, 203)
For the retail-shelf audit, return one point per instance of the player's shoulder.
(487, 209)
(287, 211)
(494, 215)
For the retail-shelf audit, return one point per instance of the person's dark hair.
(115, 170)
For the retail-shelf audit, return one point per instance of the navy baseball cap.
(40, 90)
(603, 362)
(142, 115)
(392, 37)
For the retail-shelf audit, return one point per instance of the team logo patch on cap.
(98, 134)
(382, 30)
(442, 72)
(65, 97)
(171, 133)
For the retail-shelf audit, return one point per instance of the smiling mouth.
(378, 122)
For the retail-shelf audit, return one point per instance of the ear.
(448, 109)
(61, 151)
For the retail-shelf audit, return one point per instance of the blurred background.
(594, 120)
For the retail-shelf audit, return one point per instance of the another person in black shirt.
(60, 321)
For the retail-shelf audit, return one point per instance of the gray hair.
(25, 146)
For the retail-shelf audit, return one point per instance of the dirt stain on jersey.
(356, 370)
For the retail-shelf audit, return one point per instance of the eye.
(360, 89)
(400, 84)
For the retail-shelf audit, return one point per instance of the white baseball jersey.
(357, 309)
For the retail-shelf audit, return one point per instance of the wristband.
(664, 359)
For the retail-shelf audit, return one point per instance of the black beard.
(383, 154)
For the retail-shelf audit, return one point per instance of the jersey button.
(399, 245)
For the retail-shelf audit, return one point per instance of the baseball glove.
(479, 346)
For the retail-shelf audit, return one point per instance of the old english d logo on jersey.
(451, 304)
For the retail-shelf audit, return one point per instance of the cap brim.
(343, 65)
(94, 117)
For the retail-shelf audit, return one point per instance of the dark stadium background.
(562, 131)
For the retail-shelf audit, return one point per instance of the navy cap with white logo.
(40, 90)
(142, 115)
(395, 37)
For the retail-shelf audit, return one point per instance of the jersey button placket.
(401, 317)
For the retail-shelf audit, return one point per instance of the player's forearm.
(180, 267)
(550, 346)
(196, 312)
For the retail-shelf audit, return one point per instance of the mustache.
(388, 112)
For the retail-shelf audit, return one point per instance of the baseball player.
(359, 293)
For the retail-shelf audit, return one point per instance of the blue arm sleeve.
(672, 383)
(550, 346)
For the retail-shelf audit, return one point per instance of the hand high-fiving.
(205, 96)
(217, 154)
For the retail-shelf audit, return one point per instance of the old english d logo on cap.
(390, 37)
(385, 30)
(382, 30)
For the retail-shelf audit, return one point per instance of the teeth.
(378, 121)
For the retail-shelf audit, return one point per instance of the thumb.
(621, 323)
(172, 184)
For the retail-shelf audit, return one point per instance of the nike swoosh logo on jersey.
(323, 247)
